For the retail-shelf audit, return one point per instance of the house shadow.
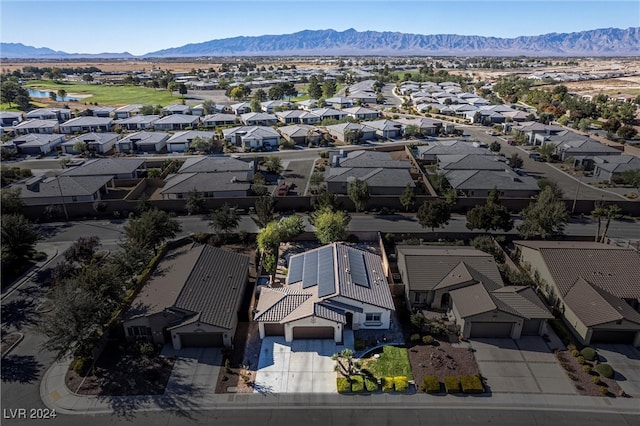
(395, 218)
(20, 369)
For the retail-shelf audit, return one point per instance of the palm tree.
(610, 212)
(598, 213)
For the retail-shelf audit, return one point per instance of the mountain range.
(599, 42)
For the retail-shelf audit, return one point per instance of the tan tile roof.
(594, 306)
(522, 301)
(472, 300)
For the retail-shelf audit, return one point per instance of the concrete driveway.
(302, 366)
(523, 366)
(196, 370)
(625, 360)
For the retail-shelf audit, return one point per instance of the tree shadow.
(18, 313)
(20, 369)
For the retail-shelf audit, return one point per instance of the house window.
(139, 330)
(373, 317)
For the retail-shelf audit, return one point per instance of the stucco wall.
(312, 322)
(227, 336)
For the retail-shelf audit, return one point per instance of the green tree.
(260, 95)
(411, 131)
(434, 214)
(224, 220)
(314, 90)
(345, 364)
(291, 226)
(490, 216)
(408, 197)
(627, 132)
(87, 77)
(255, 104)
(545, 218)
(268, 239)
(609, 212)
(515, 162)
(9, 91)
(316, 179)
(82, 250)
(264, 207)
(195, 204)
(324, 199)
(80, 146)
(329, 88)
(353, 136)
(547, 151)
(359, 193)
(259, 184)
(19, 238)
(495, 146)
(546, 182)
(151, 229)
(331, 226)
(273, 164)
(11, 202)
(182, 89)
(628, 177)
(62, 94)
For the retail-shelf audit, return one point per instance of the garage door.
(612, 336)
(197, 340)
(274, 329)
(531, 327)
(491, 329)
(313, 332)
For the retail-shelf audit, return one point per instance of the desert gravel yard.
(523, 366)
(625, 360)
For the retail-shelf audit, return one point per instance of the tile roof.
(106, 166)
(472, 300)
(595, 306)
(87, 121)
(506, 180)
(189, 135)
(375, 177)
(70, 186)
(215, 164)
(523, 301)
(206, 182)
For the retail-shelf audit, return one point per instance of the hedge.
(343, 384)
(401, 383)
(605, 370)
(427, 340)
(357, 384)
(387, 384)
(414, 338)
(471, 384)
(589, 353)
(452, 384)
(371, 384)
(431, 384)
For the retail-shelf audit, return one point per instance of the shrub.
(571, 347)
(452, 384)
(80, 365)
(358, 344)
(357, 384)
(387, 384)
(431, 384)
(603, 390)
(575, 352)
(589, 353)
(586, 369)
(146, 349)
(605, 370)
(580, 360)
(471, 384)
(414, 338)
(427, 340)
(595, 380)
(371, 384)
(343, 384)
(401, 383)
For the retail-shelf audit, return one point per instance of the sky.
(143, 26)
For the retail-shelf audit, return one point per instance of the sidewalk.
(56, 395)
(50, 251)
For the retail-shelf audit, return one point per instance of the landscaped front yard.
(393, 361)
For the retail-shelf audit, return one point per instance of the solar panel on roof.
(295, 269)
(326, 277)
(310, 273)
(358, 269)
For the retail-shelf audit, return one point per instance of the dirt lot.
(583, 380)
(441, 359)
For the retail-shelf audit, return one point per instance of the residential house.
(479, 183)
(386, 129)
(207, 185)
(379, 180)
(271, 107)
(176, 109)
(100, 143)
(143, 142)
(301, 134)
(36, 143)
(467, 283)
(36, 125)
(297, 116)
(308, 105)
(176, 122)
(584, 148)
(341, 131)
(181, 141)
(217, 165)
(426, 126)
(339, 102)
(87, 124)
(219, 119)
(127, 111)
(595, 287)
(198, 110)
(193, 299)
(104, 111)
(117, 168)
(429, 153)
(361, 113)
(45, 191)
(329, 114)
(611, 167)
(328, 290)
(138, 122)
(241, 108)
(258, 119)
(363, 97)
(58, 114)
(471, 162)
(10, 119)
(248, 137)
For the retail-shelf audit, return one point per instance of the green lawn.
(110, 95)
(393, 361)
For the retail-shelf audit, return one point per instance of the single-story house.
(207, 185)
(219, 119)
(308, 105)
(143, 141)
(329, 114)
(193, 299)
(386, 129)
(612, 166)
(258, 119)
(87, 124)
(426, 126)
(584, 148)
(95, 142)
(217, 165)
(10, 119)
(36, 143)
(341, 130)
(361, 113)
(379, 180)
(43, 191)
(429, 153)
(35, 125)
(364, 158)
(339, 102)
(327, 290)
(176, 122)
(58, 114)
(252, 136)
(181, 141)
(363, 96)
(127, 111)
(241, 108)
(271, 106)
(471, 162)
(176, 109)
(138, 122)
(298, 116)
(479, 183)
(301, 134)
(100, 111)
(595, 286)
(117, 168)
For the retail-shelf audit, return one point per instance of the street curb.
(14, 344)
(27, 276)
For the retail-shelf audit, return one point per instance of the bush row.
(454, 384)
(358, 384)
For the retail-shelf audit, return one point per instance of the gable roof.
(145, 138)
(375, 177)
(215, 164)
(106, 167)
(69, 186)
(206, 182)
(611, 268)
(368, 159)
(595, 306)
(505, 179)
(189, 135)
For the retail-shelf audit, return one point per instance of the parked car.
(535, 156)
(283, 189)
(511, 142)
